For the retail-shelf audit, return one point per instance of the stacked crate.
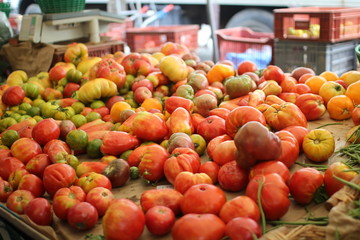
(322, 38)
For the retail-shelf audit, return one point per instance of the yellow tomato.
(318, 145)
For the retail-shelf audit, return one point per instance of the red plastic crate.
(239, 44)
(95, 50)
(322, 24)
(150, 39)
(117, 31)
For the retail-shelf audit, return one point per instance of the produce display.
(219, 151)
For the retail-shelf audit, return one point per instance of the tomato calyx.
(320, 195)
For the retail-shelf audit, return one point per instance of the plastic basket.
(150, 39)
(95, 50)
(61, 6)
(322, 24)
(239, 44)
(336, 57)
(6, 8)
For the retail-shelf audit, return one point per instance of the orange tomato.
(329, 76)
(315, 83)
(340, 107)
(305, 77)
(152, 103)
(301, 88)
(353, 92)
(219, 72)
(331, 89)
(117, 108)
(287, 84)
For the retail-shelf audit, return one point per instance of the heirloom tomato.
(8, 165)
(37, 164)
(15, 177)
(75, 53)
(318, 145)
(224, 152)
(39, 211)
(57, 150)
(5, 190)
(159, 220)
(240, 206)
(211, 169)
(123, 220)
(65, 198)
(18, 200)
(312, 105)
(289, 148)
(304, 183)
(273, 72)
(180, 121)
(13, 96)
(211, 127)
(266, 167)
(46, 130)
(33, 184)
(100, 198)
(274, 194)
(215, 142)
(173, 102)
(340, 170)
(58, 175)
(219, 72)
(82, 216)
(25, 149)
(184, 180)
(246, 66)
(198, 226)
(117, 142)
(161, 197)
(108, 68)
(242, 228)
(92, 180)
(232, 177)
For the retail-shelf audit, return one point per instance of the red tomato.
(159, 220)
(117, 142)
(241, 115)
(25, 149)
(8, 165)
(184, 180)
(182, 159)
(100, 198)
(70, 88)
(211, 169)
(266, 167)
(65, 198)
(33, 184)
(37, 164)
(355, 115)
(58, 175)
(15, 177)
(18, 200)
(161, 197)
(274, 195)
(242, 228)
(92, 180)
(224, 152)
(203, 198)
(123, 220)
(45, 131)
(304, 183)
(56, 149)
(272, 72)
(214, 142)
(240, 206)
(312, 105)
(246, 66)
(5, 190)
(331, 184)
(13, 96)
(211, 127)
(299, 132)
(232, 177)
(39, 211)
(198, 226)
(289, 148)
(82, 216)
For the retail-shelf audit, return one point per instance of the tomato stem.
(299, 223)
(319, 167)
(262, 214)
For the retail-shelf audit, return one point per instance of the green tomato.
(31, 90)
(97, 104)
(78, 120)
(38, 102)
(62, 82)
(93, 149)
(38, 118)
(6, 122)
(9, 137)
(74, 75)
(25, 106)
(77, 139)
(78, 107)
(34, 111)
(126, 154)
(93, 116)
(49, 109)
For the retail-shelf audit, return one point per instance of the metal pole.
(213, 27)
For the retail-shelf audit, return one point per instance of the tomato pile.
(91, 124)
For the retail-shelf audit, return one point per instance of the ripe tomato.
(159, 220)
(198, 226)
(82, 216)
(56, 149)
(37, 164)
(161, 197)
(266, 167)
(39, 211)
(331, 184)
(224, 152)
(211, 169)
(25, 148)
(15, 177)
(123, 220)
(273, 72)
(242, 228)
(45, 131)
(304, 183)
(232, 177)
(100, 198)
(33, 184)
(8, 165)
(184, 180)
(211, 127)
(299, 132)
(203, 198)
(319, 145)
(274, 195)
(58, 175)
(65, 198)
(18, 200)
(13, 96)
(240, 206)
(246, 66)
(289, 148)
(92, 180)
(5, 190)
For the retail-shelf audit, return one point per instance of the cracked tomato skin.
(58, 175)
(124, 220)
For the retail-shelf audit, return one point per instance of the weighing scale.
(58, 27)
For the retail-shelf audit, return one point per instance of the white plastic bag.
(6, 31)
